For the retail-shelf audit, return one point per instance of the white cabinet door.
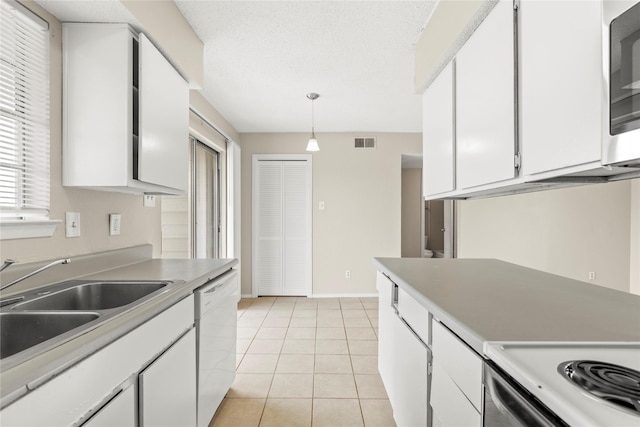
(561, 81)
(167, 387)
(485, 111)
(438, 171)
(386, 317)
(164, 121)
(120, 411)
(450, 406)
(410, 400)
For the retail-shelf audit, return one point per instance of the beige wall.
(569, 232)
(411, 213)
(361, 189)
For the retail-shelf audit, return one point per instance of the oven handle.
(515, 403)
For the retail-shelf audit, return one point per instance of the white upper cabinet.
(485, 102)
(561, 83)
(125, 113)
(438, 170)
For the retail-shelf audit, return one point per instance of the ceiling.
(261, 58)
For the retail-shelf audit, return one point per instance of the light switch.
(72, 224)
(114, 224)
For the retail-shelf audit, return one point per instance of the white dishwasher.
(216, 326)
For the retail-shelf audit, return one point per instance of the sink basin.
(20, 331)
(93, 296)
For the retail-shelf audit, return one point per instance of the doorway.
(282, 228)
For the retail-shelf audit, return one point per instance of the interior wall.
(411, 213)
(569, 232)
(361, 189)
(140, 225)
(634, 258)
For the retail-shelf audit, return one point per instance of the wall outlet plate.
(115, 221)
(149, 200)
(72, 224)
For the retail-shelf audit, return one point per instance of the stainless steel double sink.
(34, 322)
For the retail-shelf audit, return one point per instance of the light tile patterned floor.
(306, 362)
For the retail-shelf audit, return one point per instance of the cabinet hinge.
(516, 161)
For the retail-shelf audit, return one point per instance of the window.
(24, 118)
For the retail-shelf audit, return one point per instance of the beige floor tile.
(301, 333)
(355, 333)
(280, 312)
(324, 304)
(265, 346)
(292, 386)
(334, 386)
(329, 313)
(377, 413)
(336, 413)
(242, 345)
(247, 333)
(304, 313)
(303, 322)
(370, 387)
(357, 322)
(351, 305)
(364, 364)
(363, 347)
(248, 322)
(331, 347)
(238, 412)
(370, 305)
(333, 364)
(258, 364)
(295, 364)
(306, 305)
(250, 386)
(372, 314)
(298, 346)
(250, 312)
(330, 334)
(287, 413)
(276, 322)
(353, 313)
(330, 322)
(239, 357)
(271, 333)
(374, 321)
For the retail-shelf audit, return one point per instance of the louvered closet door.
(282, 234)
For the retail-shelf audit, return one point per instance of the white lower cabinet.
(450, 406)
(402, 361)
(79, 393)
(168, 386)
(120, 411)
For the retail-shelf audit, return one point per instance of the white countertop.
(489, 300)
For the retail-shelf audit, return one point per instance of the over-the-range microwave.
(621, 55)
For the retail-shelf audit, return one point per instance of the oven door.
(508, 404)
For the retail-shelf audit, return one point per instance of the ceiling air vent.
(369, 142)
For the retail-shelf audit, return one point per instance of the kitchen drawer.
(459, 361)
(450, 406)
(414, 314)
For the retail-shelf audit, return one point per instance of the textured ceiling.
(262, 57)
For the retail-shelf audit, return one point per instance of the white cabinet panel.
(462, 364)
(120, 411)
(561, 83)
(414, 314)
(385, 332)
(168, 386)
(438, 171)
(485, 111)
(164, 120)
(450, 406)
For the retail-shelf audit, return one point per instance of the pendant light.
(312, 145)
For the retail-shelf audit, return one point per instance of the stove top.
(615, 384)
(585, 384)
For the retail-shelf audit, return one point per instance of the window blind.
(24, 114)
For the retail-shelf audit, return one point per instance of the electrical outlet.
(347, 274)
(72, 224)
(149, 200)
(115, 221)
(592, 275)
